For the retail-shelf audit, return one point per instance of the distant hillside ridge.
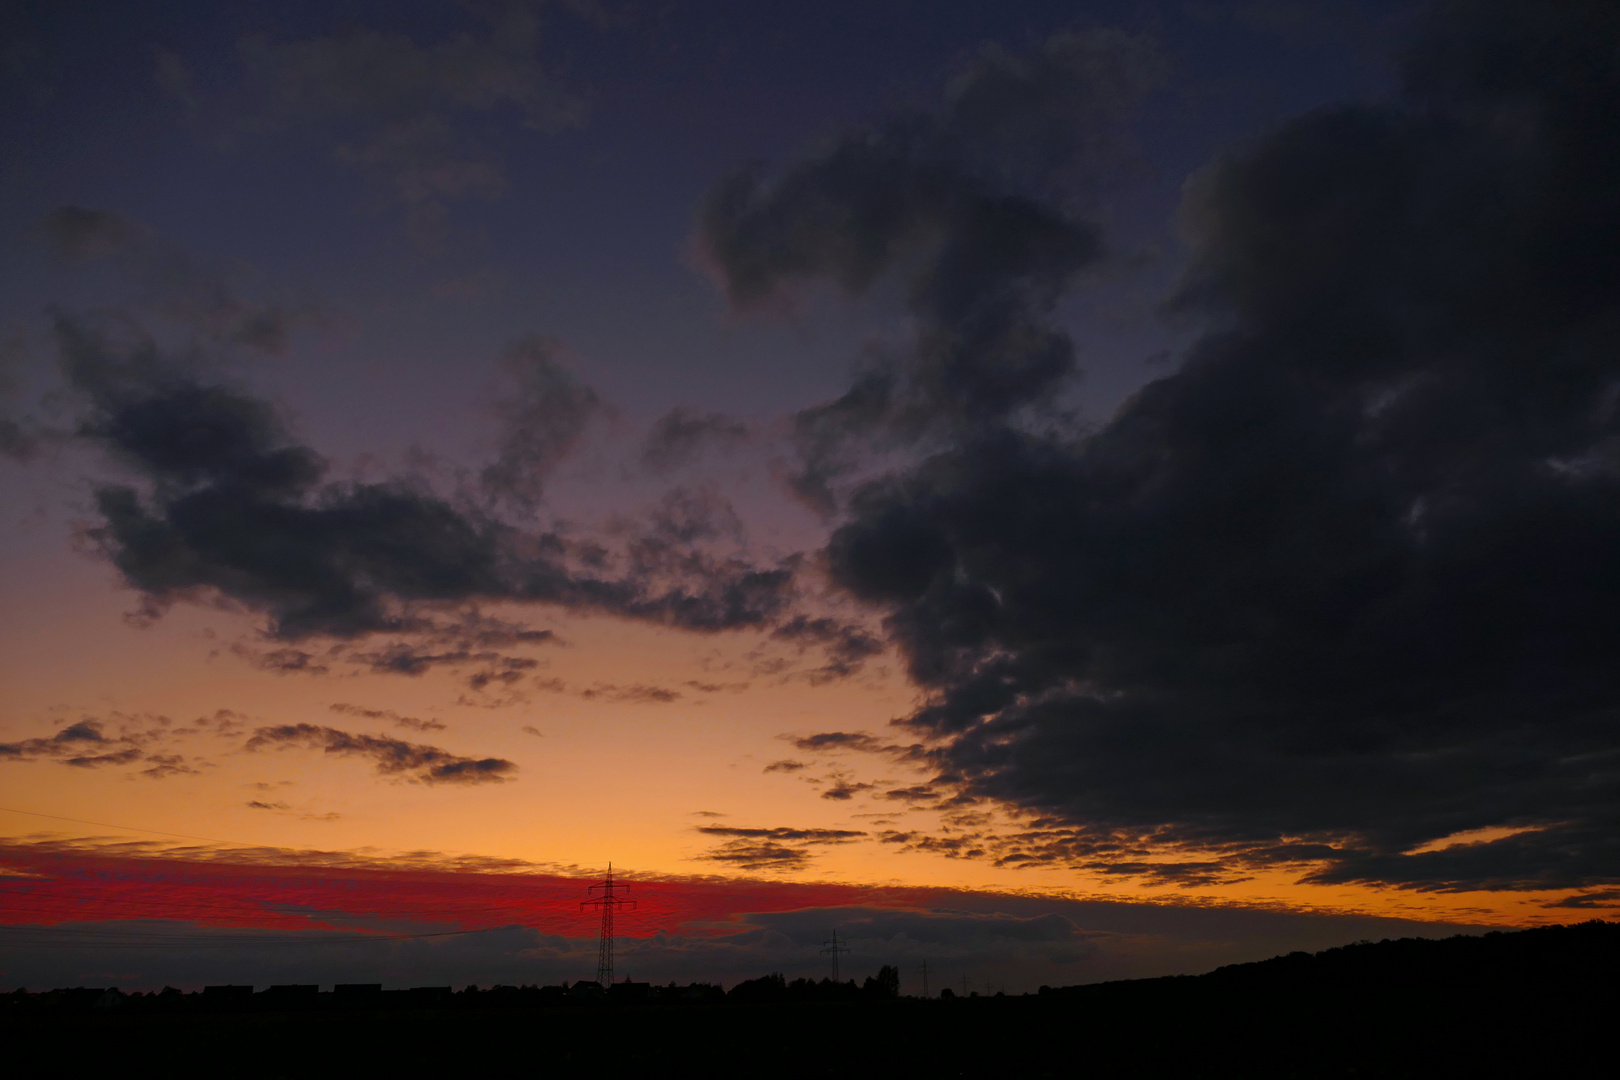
(1565, 954)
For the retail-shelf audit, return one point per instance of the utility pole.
(608, 900)
(833, 948)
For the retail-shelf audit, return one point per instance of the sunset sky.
(1062, 491)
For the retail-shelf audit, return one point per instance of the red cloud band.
(49, 886)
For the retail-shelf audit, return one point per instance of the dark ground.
(1534, 1003)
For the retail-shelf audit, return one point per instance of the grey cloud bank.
(1344, 582)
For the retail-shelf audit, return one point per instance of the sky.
(1060, 491)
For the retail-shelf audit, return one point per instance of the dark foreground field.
(1535, 1003)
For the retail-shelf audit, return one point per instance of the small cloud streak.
(391, 757)
(778, 849)
(410, 723)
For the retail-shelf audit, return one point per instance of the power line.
(129, 828)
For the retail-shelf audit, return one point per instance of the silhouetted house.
(628, 992)
(76, 999)
(513, 996)
(587, 990)
(227, 996)
(357, 991)
(289, 996)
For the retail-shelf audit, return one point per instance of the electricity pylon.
(833, 948)
(609, 901)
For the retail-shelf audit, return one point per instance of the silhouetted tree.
(772, 987)
(884, 985)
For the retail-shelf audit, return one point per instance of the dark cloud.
(786, 765)
(782, 849)
(403, 658)
(81, 744)
(716, 687)
(232, 509)
(682, 517)
(86, 744)
(285, 808)
(807, 836)
(145, 728)
(470, 638)
(945, 932)
(681, 435)
(1342, 584)
(284, 661)
(160, 766)
(952, 846)
(847, 646)
(543, 417)
(761, 855)
(952, 201)
(916, 794)
(1598, 899)
(842, 789)
(840, 740)
(475, 630)
(400, 658)
(503, 671)
(392, 757)
(411, 723)
(635, 693)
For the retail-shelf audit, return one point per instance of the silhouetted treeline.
(884, 986)
(362, 996)
(773, 988)
(1531, 1003)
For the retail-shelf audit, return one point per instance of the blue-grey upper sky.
(427, 182)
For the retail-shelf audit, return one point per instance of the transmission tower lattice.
(605, 895)
(833, 948)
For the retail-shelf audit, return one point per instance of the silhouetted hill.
(1584, 953)
(1528, 1003)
